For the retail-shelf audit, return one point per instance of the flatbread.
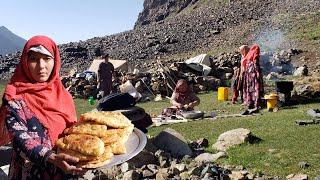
(93, 165)
(83, 143)
(109, 118)
(98, 161)
(82, 157)
(88, 127)
(112, 138)
(117, 135)
(118, 148)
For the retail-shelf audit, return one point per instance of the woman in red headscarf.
(252, 82)
(183, 98)
(35, 110)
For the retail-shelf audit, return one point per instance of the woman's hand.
(62, 161)
(192, 104)
(179, 105)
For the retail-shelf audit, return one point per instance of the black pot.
(284, 87)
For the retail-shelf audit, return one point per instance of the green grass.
(284, 144)
(2, 90)
(304, 27)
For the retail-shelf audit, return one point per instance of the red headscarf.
(253, 54)
(181, 96)
(49, 101)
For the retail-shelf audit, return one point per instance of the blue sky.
(69, 20)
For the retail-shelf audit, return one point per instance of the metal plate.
(135, 144)
(192, 114)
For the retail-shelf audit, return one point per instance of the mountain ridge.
(10, 42)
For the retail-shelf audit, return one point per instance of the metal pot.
(284, 86)
(192, 114)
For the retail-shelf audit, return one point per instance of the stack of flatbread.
(96, 138)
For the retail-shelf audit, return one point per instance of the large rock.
(297, 177)
(208, 157)
(301, 71)
(307, 87)
(143, 158)
(171, 141)
(232, 138)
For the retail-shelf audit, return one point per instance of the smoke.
(271, 40)
(274, 56)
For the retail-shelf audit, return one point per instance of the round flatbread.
(109, 118)
(98, 161)
(82, 157)
(87, 127)
(83, 143)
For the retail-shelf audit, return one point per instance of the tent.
(119, 65)
(200, 59)
(200, 63)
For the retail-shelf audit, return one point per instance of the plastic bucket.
(272, 103)
(222, 93)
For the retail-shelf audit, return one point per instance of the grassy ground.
(284, 144)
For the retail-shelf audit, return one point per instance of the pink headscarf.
(181, 96)
(50, 102)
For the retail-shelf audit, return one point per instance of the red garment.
(50, 102)
(181, 96)
(252, 81)
(253, 54)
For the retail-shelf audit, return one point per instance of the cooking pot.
(192, 114)
(284, 86)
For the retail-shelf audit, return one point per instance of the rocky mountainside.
(175, 30)
(158, 10)
(9, 42)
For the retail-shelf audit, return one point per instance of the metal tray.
(192, 114)
(135, 144)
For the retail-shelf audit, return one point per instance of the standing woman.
(252, 81)
(244, 49)
(105, 74)
(35, 110)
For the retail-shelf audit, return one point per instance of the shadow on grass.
(254, 139)
(289, 107)
(296, 100)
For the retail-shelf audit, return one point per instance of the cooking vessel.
(192, 114)
(284, 86)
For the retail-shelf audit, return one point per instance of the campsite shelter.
(200, 63)
(119, 65)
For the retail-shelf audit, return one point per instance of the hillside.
(172, 30)
(9, 42)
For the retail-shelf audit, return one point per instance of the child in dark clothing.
(235, 84)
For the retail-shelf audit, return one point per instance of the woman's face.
(183, 87)
(40, 66)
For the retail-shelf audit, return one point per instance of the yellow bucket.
(272, 103)
(222, 93)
